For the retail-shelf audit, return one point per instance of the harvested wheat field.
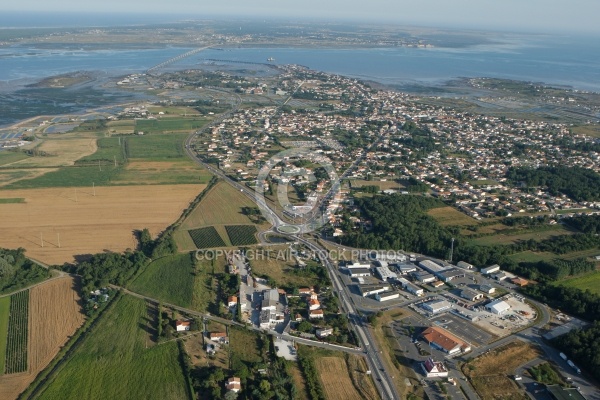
(88, 224)
(54, 315)
(60, 152)
(335, 379)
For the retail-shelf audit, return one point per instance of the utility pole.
(42, 238)
(76, 195)
(58, 239)
(94, 189)
(451, 249)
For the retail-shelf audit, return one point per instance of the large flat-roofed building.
(423, 277)
(356, 265)
(385, 296)
(487, 288)
(498, 307)
(385, 273)
(431, 266)
(389, 256)
(270, 299)
(491, 269)
(409, 287)
(449, 274)
(355, 273)
(368, 290)
(465, 265)
(445, 341)
(436, 306)
(406, 268)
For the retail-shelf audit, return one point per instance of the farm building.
(498, 307)
(445, 341)
(368, 290)
(181, 326)
(470, 295)
(233, 384)
(385, 273)
(409, 287)
(436, 306)
(491, 269)
(434, 369)
(355, 273)
(486, 288)
(385, 296)
(465, 265)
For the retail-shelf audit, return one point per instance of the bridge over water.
(175, 59)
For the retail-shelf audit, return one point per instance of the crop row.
(241, 235)
(16, 346)
(206, 238)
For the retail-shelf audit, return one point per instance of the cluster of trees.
(583, 347)
(401, 222)
(577, 302)
(540, 220)
(16, 271)
(580, 184)
(311, 375)
(585, 223)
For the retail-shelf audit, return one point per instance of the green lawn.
(156, 147)
(12, 200)
(114, 363)
(4, 313)
(589, 281)
(170, 279)
(169, 124)
(109, 150)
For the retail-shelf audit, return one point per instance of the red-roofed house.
(315, 314)
(232, 301)
(314, 305)
(181, 326)
(233, 384)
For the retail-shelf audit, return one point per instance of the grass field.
(278, 269)
(16, 343)
(489, 372)
(170, 279)
(105, 368)
(205, 291)
(9, 157)
(241, 235)
(73, 176)
(588, 130)
(169, 124)
(532, 256)
(4, 313)
(156, 147)
(509, 239)
(335, 378)
(161, 172)
(60, 152)
(383, 185)
(589, 281)
(109, 150)
(299, 381)
(449, 216)
(13, 200)
(88, 224)
(245, 344)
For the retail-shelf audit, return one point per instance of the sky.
(545, 16)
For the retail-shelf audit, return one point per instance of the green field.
(12, 201)
(156, 147)
(109, 150)
(206, 238)
(245, 344)
(168, 124)
(532, 256)
(114, 363)
(18, 323)
(590, 281)
(170, 279)
(4, 313)
(500, 238)
(241, 235)
(7, 157)
(70, 177)
(204, 296)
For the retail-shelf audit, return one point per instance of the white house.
(181, 326)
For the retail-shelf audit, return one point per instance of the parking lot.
(463, 329)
